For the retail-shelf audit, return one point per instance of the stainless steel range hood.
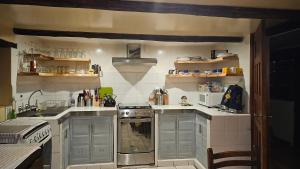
(134, 61)
(134, 57)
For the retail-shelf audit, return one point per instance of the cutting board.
(105, 91)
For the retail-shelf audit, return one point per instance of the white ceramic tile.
(55, 163)
(218, 124)
(244, 123)
(231, 124)
(231, 138)
(56, 144)
(93, 166)
(54, 127)
(166, 167)
(181, 163)
(165, 163)
(185, 167)
(78, 167)
(198, 165)
(156, 74)
(218, 138)
(245, 138)
(191, 162)
(107, 166)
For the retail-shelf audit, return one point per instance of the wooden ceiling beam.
(171, 8)
(100, 35)
(7, 44)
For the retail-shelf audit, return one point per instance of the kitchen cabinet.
(80, 140)
(201, 139)
(176, 135)
(91, 140)
(102, 139)
(5, 74)
(65, 143)
(168, 136)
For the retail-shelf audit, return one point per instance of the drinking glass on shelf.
(61, 52)
(75, 53)
(83, 54)
(80, 53)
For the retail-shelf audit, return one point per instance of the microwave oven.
(210, 99)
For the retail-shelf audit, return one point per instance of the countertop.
(205, 111)
(13, 155)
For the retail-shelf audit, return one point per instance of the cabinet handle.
(200, 128)
(66, 134)
(92, 128)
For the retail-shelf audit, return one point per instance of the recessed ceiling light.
(160, 52)
(99, 50)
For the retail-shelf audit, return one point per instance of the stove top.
(134, 106)
(20, 131)
(13, 129)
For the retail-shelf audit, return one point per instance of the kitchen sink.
(43, 113)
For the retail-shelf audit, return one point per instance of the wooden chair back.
(211, 157)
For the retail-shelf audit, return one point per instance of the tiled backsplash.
(130, 84)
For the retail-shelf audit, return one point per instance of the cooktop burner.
(134, 106)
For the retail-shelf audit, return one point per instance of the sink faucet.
(33, 94)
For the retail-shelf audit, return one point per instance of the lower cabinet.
(176, 135)
(91, 140)
(65, 143)
(201, 139)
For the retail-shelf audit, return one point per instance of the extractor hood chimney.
(133, 57)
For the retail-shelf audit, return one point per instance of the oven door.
(46, 146)
(135, 135)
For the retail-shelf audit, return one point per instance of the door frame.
(263, 152)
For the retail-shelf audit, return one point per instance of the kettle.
(109, 100)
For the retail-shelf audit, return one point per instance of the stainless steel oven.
(135, 135)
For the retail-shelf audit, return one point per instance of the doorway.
(283, 127)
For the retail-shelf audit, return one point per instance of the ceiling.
(91, 20)
(276, 4)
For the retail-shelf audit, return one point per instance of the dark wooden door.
(259, 95)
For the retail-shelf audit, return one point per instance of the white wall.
(243, 50)
(134, 85)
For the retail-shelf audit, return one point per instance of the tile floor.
(175, 167)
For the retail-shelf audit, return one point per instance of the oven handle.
(136, 120)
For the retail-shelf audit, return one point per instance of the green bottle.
(12, 113)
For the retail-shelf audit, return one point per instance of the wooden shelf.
(211, 61)
(50, 58)
(57, 75)
(201, 75)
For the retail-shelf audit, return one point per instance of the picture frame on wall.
(133, 50)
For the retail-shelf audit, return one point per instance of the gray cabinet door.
(201, 139)
(167, 136)
(80, 140)
(102, 139)
(66, 140)
(186, 135)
